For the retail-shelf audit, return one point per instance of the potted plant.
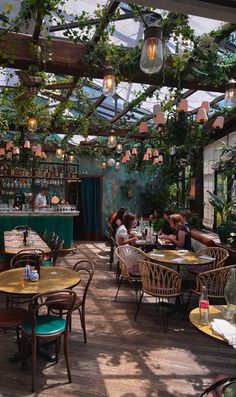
(224, 208)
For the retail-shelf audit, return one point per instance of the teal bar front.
(62, 225)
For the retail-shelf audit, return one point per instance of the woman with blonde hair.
(182, 238)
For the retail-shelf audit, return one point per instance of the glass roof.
(127, 33)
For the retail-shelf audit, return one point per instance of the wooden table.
(179, 257)
(52, 278)
(214, 312)
(13, 242)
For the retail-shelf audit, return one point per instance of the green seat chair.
(44, 327)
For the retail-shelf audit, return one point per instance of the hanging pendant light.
(38, 150)
(16, 151)
(71, 157)
(104, 164)
(134, 151)
(59, 151)
(155, 153)
(27, 144)
(149, 152)
(201, 116)
(32, 124)
(230, 93)
(218, 123)
(160, 119)
(117, 165)
(151, 60)
(43, 155)
(160, 158)
(2, 151)
(143, 128)
(206, 106)
(183, 106)
(109, 82)
(155, 160)
(9, 145)
(172, 150)
(119, 148)
(111, 143)
(145, 157)
(124, 161)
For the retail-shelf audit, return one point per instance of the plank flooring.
(122, 358)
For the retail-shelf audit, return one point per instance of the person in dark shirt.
(182, 238)
(166, 229)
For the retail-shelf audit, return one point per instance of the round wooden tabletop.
(52, 278)
(179, 257)
(214, 312)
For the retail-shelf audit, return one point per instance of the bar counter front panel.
(59, 222)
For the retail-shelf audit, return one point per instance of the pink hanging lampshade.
(201, 116)
(218, 123)
(9, 146)
(205, 105)
(159, 119)
(149, 152)
(9, 156)
(134, 151)
(143, 128)
(33, 148)
(2, 151)
(27, 144)
(38, 150)
(124, 161)
(183, 105)
(16, 150)
(145, 157)
(160, 158)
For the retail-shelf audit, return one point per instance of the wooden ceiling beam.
(67, 58)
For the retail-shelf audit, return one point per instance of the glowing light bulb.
(109, 82)
(151, 60)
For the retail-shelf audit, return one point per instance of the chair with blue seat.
(45, 327)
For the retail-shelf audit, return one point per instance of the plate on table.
(182, 252)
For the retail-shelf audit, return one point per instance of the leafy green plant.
(223, 207)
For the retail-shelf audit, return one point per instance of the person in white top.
(41, 199)
(123, 231)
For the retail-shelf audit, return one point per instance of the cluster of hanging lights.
(150, 154)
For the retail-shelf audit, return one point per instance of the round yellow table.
(52, 278)
(216, 311)
(179, 257)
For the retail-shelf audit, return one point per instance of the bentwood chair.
(54, 254)
(86, 269)
(44, 327)
(112, 248)
(21, 227)
(160, 282)
(128, 257)
(214, 280)
(13, 318)
(20, 259)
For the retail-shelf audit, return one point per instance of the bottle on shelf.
(204, 306)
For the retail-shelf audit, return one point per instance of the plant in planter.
(224, 208)
(232, 240)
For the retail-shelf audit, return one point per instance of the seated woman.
(156, 220)
(118, 215)
(125, 224)
(166, 229)
(184, 215)
(182, 238)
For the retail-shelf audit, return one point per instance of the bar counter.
(53, 221)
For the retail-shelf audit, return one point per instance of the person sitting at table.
(166, 229)
(182, 238)
(156, 220)
(118, 216)
(184, 215)
(125, 224)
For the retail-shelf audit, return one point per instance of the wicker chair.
(220, 255)
(128, 257)
(214, 280)
(160, 282)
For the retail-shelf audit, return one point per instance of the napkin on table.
(225, 329)
(157, 254)
(178, 260)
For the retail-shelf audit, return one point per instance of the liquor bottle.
(204, 306)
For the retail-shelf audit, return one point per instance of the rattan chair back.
(220, 254)
(129, 257)
(214, 280)
(159, 281)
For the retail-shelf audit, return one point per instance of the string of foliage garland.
(174, 25)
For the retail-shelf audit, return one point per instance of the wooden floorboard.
(122, 358)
